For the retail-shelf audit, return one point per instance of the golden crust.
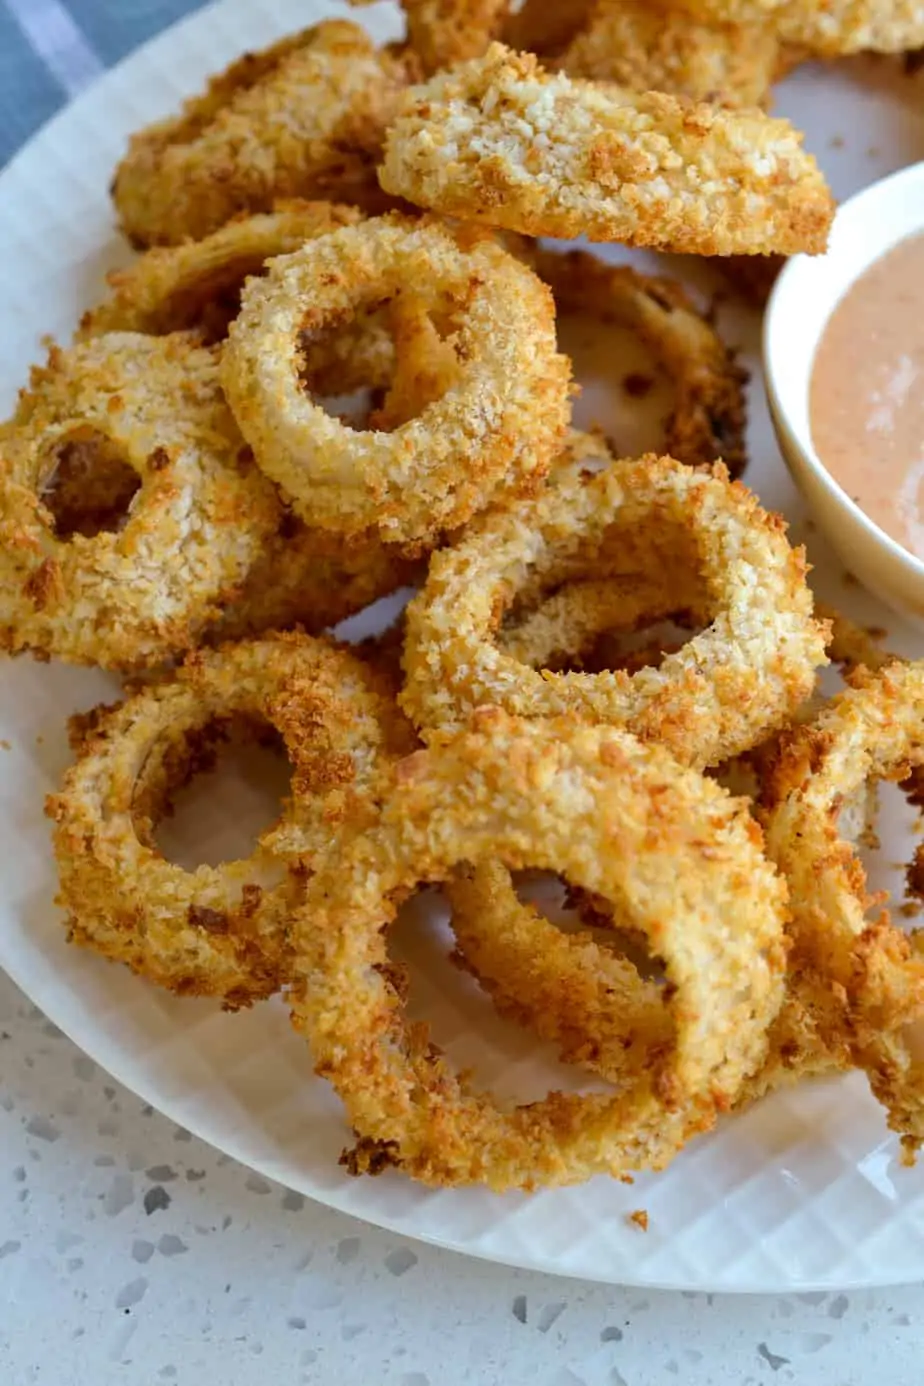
(197, 284)
(194, 529)
(870, 732)
(495, 429)
(722, 692)
(442, 33)
(828, 28)
(649, 45)
(498, 140)
(617, 817)
(217, 931)
(304, 118)
(708, 420)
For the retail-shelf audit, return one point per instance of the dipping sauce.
(867, 394)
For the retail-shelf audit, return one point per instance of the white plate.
(803, 1192)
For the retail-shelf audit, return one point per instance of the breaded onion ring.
(495, 429)
(311, 579)
(617, 817)
(193, 531)
(304, 118)
(872, 732)
(828, 28)
(708, 419)
(219, 930)
(648, 45)
(499, 140)
(721, 693)
(589, 999)
(197, 284)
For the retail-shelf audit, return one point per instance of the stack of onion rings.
(617, 817)
(217, 931)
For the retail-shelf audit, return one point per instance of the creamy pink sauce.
(867, 394)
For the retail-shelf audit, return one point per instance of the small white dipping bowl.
(803, 299)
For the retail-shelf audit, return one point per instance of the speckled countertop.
(132, 1253)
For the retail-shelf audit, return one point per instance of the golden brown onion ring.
(649, 45)
(498, 140)
(720, 694)
(304, 118)
(495, 430)
(615, 816)
(871, 732)
(197, 284)
(219, 930)
(708, 419)
(141, 594)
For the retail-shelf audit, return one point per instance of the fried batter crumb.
(640, 1218)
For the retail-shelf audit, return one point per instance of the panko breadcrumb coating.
(828, 28)
(442, 33)
(197, 284)
(708, 419)
(219, 930)
(143, 593)
(613, 815)
(498, 140)
(723, 691)
(304, 118)
(495, 429)
(649, 45)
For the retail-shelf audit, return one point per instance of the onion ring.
(615, 816)
(721, 693)
(708, 420)
(195, 285)
(828, 28)
(647, 45)
(871, 732)
(590, 1000)
(219, 930)
(304, 118)
(495, 430)
(194, 529)
(499, 140)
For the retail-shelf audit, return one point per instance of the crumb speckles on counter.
(141, 1257)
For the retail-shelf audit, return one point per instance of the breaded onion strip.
(709, 416)
(304, 118)
(495, 429)
(615, 816)
(722, 692)
(872, 732)
(498, 140)
(194, 285)
(589, 999)
(219, 930)
(193, 531)
(828, 28)
(649, 45)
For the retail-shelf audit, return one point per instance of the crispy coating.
(304, 118)
(442, 33)
(219, 930)
(498, 140)
(722, 692)
(544, 29)
(828, 28)
(495, 429)
(708, 420)
(649, 45)
(589, 999)
(615, 816)
(868, 733)
(197, 284)
(141, 594)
